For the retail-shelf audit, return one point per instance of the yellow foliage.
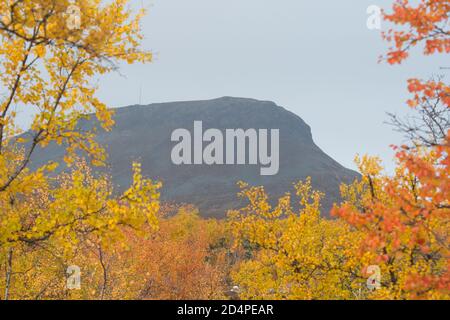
(294, 255)
(51, 54)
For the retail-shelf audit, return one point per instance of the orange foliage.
(406, 217)
(425, 22)
(430, 90)
(182, 260)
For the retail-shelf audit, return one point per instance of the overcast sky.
(315, 58)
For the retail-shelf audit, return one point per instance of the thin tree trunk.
(8, 273)
(105, 273)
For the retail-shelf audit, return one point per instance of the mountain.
(143, 133)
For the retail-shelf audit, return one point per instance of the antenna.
(140, 94)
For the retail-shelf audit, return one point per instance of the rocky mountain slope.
(143, 133)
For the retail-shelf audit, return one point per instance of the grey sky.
(315, 58)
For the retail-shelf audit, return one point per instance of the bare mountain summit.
(143, 133)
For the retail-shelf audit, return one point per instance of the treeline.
(388, 240)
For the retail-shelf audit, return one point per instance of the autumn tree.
(294, 254)
(406, 217)
(50, 53)
(78, 215)
(183, 259)
(405, 222)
